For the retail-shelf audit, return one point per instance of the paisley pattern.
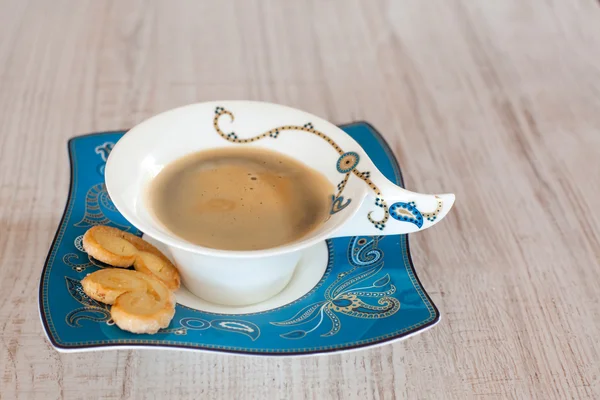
(97, 200)
(356, 303)
(93, 310)
(348, 294)
(407, 212)
(363, 251)
(228, 325)
(97, 203)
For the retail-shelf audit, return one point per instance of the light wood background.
(497, 101)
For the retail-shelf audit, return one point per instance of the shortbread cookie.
(159, 267)
(152, 261)
(121, 249)
(105, 285)
(140, 302)
(144, 311)
(110, 245)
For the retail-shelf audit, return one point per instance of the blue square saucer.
(369, 294)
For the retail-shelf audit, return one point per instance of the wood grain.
(497, 101)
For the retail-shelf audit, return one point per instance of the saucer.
(347, 293)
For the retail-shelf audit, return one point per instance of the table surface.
(496, 101)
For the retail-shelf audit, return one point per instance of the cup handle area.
(396, 211)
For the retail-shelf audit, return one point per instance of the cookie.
(121, 249)
(140, 302)
(110, 246)
(144, 311)
(106, 285)
(159, 267)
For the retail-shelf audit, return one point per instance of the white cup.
(364, 202)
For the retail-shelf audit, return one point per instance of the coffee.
(240, 198)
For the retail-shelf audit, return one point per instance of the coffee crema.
(240, 198)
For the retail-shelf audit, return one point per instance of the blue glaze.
(369, 295)
(415, 215)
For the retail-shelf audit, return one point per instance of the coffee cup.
(364, 202)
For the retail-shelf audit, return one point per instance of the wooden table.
(497, 101)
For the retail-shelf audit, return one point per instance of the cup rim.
(172, 240)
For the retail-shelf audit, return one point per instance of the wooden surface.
(497, 101)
